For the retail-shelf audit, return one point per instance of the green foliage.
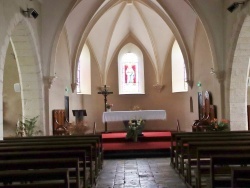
(219, 126)
(28, 126)
(135, 126)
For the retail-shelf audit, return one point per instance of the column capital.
(49, 80)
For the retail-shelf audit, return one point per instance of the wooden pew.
(206, 152)
(190, 154)
(182, 142)
(37, 164)
(240, 177)
(85, 138)
(54, 147)
(40, 175)
(58, 184)
(176, 136)
(222, 164)
(62, 141)
(40, 155)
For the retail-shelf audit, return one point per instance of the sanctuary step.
(151, 144)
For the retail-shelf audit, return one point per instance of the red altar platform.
(151, 144)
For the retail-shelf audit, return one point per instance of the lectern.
(79, 114)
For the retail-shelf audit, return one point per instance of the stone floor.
(138, 173)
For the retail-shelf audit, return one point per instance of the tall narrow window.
(131, 70)
(84, 72)
(179, 76)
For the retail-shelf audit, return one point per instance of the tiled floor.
(138, 173)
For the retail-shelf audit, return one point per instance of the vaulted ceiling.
(153, 24)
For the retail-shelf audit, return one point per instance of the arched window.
(131, 70)
(179, 75)
(84, 72)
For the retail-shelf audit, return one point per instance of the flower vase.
(108, 109)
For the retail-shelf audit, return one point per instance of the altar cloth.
(128, 115)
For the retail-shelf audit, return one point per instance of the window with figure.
(131, 70)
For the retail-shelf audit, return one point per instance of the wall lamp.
(235, 5)
(30, 12)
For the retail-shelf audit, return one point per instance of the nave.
(138, 173)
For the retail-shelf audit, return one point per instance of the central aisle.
(139, 173)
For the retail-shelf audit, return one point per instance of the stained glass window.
(131, 73)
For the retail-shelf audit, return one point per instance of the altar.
(129, 115)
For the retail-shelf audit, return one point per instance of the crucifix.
(105, 93)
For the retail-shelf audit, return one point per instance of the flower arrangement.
(134, 128)
(108, 106)
(219, 126)
(27, 127)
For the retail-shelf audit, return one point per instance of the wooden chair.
(60, 123)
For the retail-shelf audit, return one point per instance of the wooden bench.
(206, 152)
(220, 167)
(240, 177)
(176, 136)
(203, 164)
(190, 161)
(36, 164)
(96, 157)
(58, 184)
(41, 176)
(94, 139)
(183, 139)
(39, 146)
(55, 155)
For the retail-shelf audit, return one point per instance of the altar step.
(151, 144)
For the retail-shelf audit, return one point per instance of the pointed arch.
(25, 46)
(159, 11)
(238, 82)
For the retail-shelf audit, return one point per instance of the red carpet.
(149, 141)
(135, 146)
(145, 134)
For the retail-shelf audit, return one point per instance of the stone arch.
(161, 13)
(25, 46)
(239, 75)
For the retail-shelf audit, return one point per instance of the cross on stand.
(105, 93)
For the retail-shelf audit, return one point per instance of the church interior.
(40, 56)
(68, 61)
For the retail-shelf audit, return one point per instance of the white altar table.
(128, 115)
